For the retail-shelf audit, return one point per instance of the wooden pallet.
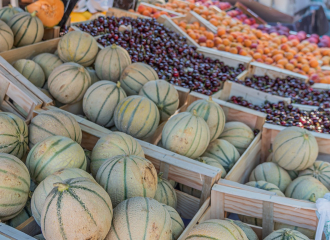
(176, 167)
(228, 197)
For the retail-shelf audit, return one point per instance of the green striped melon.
(191, 191)
(164, 95)
(135, 76)
(31, 70)
(212, 113)
(6, 37)
(45, 187)
(14, 184)
(165, 192)
(100, 101)
(238, 134)
(88, 155)
(24, 215)
(272, 173)
(13, 135)
(6, 13)
(142, 218)
(53, 123)
(266, 186)
(81, 199)
(27, 28)
(52, 154)
(309, 233)
(217, 229)
(319, 170)
(78, 47)
(213, 162)
(127, 176)
(186, 134)
(39, 237)
(113, 144)
(251, 235)
(285, 234)
(48, 62)
(306, 188)
(224, 152)
(293, 174)
(295, 148)
(69, 82)
(111, 62)
(137, 116)
(177, 223)
(93, 75)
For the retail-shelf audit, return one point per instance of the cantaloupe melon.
(143, 218)
(48, 62)
(135, 76)
(177, 223)
(76, 198)
(164, 95)
(6, 37)
(125, 177)
(100, 101)
(6, 13)
(137, 116)
(27, 28)
(13, 135)
(295, 148)
(31, 70)
(309, 233)
(186, 134)
(111, 62)
(88, 155)
(217, 229)
(212, 113)
(78, 47)
(319, 170)
(224, 152)
(165, 192)
(272, 173)
(93, 75)
(45, 187)
(52, 154)
(306, 188)
(53, 123)
(190, 191)
(214, 163)
(293, 174)
(238, 134)
(251, 235)
(115, 143)
(69, 82)
(285, 233)
(14, 184)
(24, 215)
(266, 186)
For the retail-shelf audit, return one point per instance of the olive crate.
(175, 167)
(229, 197)
(233, 112)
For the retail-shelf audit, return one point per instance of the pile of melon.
(292, 170)
(113, 190)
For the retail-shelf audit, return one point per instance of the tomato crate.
(230, 197)
(175, 167)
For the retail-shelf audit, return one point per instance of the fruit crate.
(248, 12)
(15, 97)
(175, 167)
(229, 197)
(270, 131)
(171, 13)
(252, 118)
(9, 233)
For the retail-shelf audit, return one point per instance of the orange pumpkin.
(50, 12)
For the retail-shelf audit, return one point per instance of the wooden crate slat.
(9, 233)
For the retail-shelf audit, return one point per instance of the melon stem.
(118, 84)
(61, 186)
(306, 136)
(195, 112)
(113, 46)
(10, 6)
(34, 13)
(210, 99)
(160, 176)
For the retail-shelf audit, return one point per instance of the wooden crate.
(171, 13)
(228, 197)
(176, 167)
(252, 118)
(9, 233)
(270, 131)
